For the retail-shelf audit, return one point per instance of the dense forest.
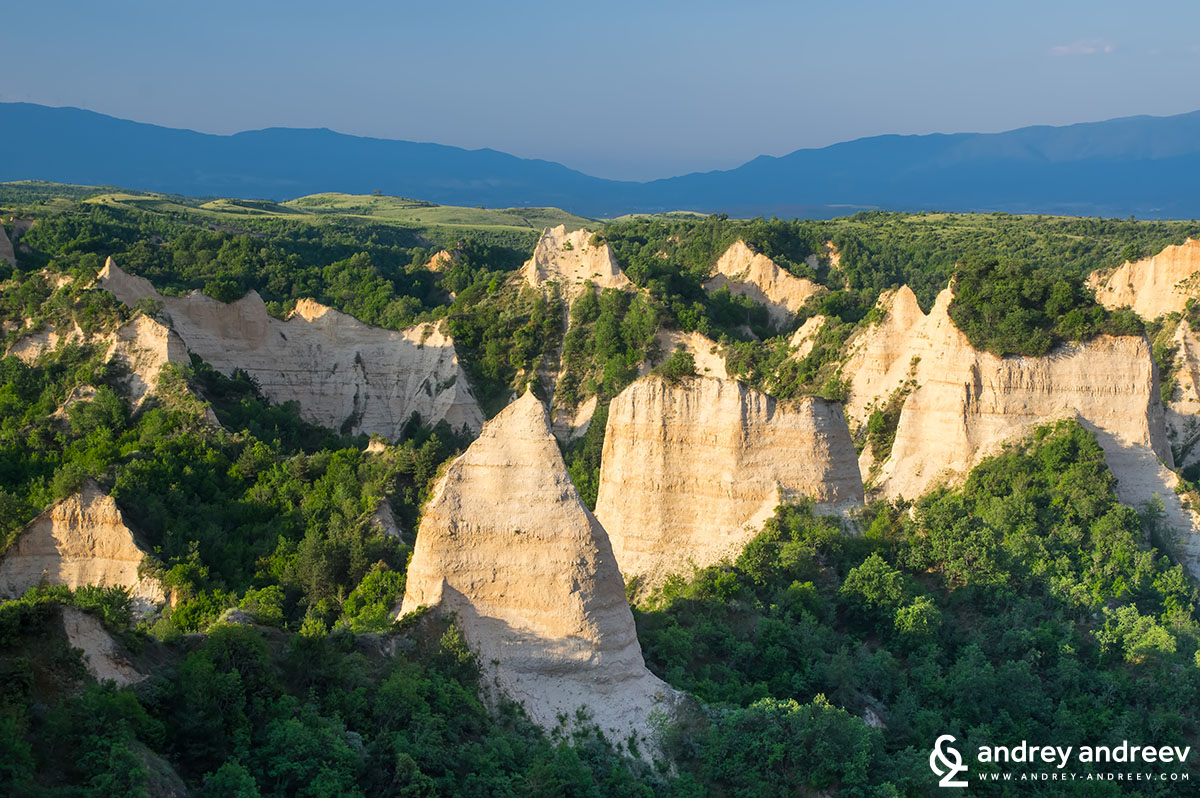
(1025, 603)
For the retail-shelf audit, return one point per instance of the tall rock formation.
(960, 405)
(690, 471)
(1183, 407)
(1152, 286)
(507, 546)
(344, 374)
(80, 540)
(570, 260)
(749, 274)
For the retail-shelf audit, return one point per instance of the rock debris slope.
(690, 471)
(507, 546)
(756, 276)
(570, 260)
(344, 374)
(961, 404)
(80, 540)
(1152, 286)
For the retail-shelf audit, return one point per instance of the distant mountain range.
(1144, 166)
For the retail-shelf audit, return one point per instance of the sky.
(628, 90)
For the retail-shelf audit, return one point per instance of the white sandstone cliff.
(80, 540)
(343, 373)
(705, 352)
(1152, 286)
(143, 346)
(570, 260)
(690, 471)
(963, 404)
(507, 546)
(1183, 409)
(803, 340)
(749, 274)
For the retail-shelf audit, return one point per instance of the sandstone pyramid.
(963, 404)
(756, 276)
(507, 546)
(690, 471)
(570, 260)
(80, 540)
(344, 374)
(1152, 286)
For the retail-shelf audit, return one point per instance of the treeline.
(1023, 605)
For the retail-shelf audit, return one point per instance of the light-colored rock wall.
(690, 471)
(1183, 409)
(705, 352)
(506, 545)
(338, 369)
(101, 656)
(803, 339)
(570, 260)
(32, 346)
(749, 274)
(80, 540)
(143, 346)
(967, 403)
(1152, 286)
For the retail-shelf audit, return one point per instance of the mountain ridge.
(1139, 165)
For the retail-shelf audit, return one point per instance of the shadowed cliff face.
(507, 546)
(80, 540)
(963, 404)
(345, 375)
(690, 471)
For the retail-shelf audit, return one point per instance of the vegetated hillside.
(1024, 603)
(1139, 165)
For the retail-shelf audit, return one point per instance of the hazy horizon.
(632, 92)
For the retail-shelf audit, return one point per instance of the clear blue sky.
(618, 89)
